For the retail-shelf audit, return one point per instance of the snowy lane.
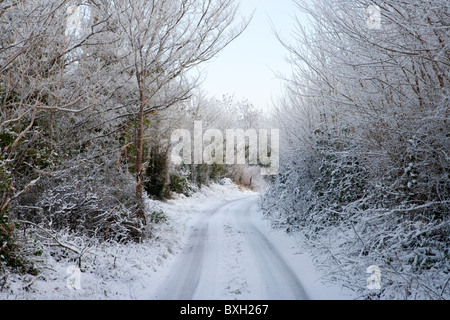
(229, 257)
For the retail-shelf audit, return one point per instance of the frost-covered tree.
(158, 42)
(58, 110)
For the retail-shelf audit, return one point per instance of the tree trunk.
(139, 155)
(139, 151)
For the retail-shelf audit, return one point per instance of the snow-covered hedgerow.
(365, 175)
(348, 230)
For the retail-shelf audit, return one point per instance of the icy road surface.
(230, 256)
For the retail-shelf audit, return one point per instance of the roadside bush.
(90, 200)
(179, 184)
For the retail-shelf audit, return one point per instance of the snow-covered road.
(229, 255)
(214, 245)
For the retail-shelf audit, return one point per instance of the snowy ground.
(144, 271)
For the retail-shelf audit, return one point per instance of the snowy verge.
(299, 257)
(112, 270)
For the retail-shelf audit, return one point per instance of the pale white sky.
(246, 68)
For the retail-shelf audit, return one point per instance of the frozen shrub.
(92, 200)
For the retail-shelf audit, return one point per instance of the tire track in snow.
(276, 277)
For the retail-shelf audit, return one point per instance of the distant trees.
(164, 176)
(365, 121)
